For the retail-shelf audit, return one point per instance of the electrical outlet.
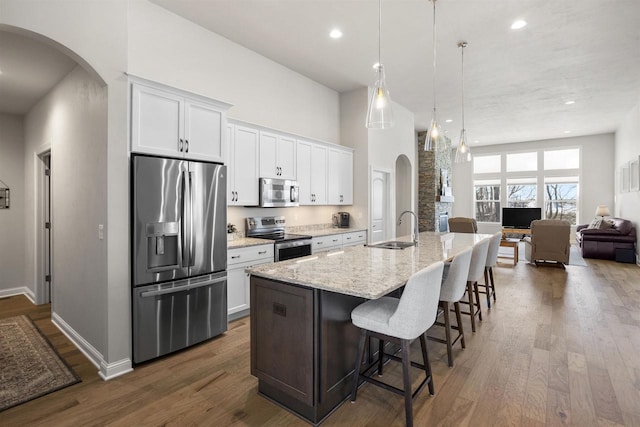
(100, 232)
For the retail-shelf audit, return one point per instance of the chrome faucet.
(415, 226)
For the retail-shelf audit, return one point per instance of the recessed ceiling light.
(570, 102)
(518, 24)
(449, 120)
(567, 131)
(475, 141)
(335, 33)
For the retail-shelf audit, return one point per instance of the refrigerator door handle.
(183, 288)
(183, 220)
(192, 248)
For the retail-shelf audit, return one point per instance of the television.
(520, 217)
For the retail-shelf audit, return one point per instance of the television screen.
(520, 217)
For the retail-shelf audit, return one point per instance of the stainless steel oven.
(286, 246)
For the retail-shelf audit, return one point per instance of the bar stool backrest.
(454, 285)
(478, 260)
(418, 304)
(494, 247)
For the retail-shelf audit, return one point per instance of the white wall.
(378, 149)
(12, 224)
(73, 119)
(169, 49)
(627, 147)
(596, 180)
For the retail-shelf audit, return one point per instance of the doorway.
(403, 193)
(379, 205)
(43, 227)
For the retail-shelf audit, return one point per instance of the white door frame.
(391, 201)
(41, 289)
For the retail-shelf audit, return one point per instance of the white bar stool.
(476, 269)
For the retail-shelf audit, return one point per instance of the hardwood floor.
(560, 347)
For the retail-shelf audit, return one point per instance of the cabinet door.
(245, 166)
(333, 177)
(268, 150)
(237, 290)
(304, 174)
(203, 132)
(286, 157)
(156, 121)
(346, 178)
(319, 174)
(230, 162)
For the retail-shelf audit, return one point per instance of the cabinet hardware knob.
(186, 145)
(262, 252)
(235, 256)
(181, 145)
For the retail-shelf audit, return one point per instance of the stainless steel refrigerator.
(179, 250)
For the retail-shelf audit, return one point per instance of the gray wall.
(73, 119)
(12, 220)
(628, 148)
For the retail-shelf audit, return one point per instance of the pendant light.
(380, 114)
(435, 137)
(463, 152)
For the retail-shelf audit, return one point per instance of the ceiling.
(516, 82)
(29, 69)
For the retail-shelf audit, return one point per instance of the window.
(561, 198)
(522, 162)
(521, 193)
(486, 164)
(562, 159)
(487, 200)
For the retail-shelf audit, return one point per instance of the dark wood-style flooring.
(558, 347)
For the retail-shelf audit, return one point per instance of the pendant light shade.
(463, 152)
(435, 137)
(380, 114)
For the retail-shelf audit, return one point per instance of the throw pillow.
(605, 224)
(595, 223)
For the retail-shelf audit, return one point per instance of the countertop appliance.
(286, 246)
(276, 193)
(341, 219)
(179, 250)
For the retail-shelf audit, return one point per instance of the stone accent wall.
(430, 163)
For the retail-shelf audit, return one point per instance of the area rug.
(29, 366)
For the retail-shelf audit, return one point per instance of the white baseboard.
(106, 370)
(20, 290)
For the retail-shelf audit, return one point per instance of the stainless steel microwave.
(275, 193)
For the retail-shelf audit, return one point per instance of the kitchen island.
(303, 344)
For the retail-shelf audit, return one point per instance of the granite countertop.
(244, 242)
(331, 231)
(365, 271)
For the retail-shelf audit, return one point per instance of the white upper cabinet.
(277, 156)
(242, 186)
(173, 123)
(340, 177)
(312, 173)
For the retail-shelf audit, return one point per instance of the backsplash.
(306, 228)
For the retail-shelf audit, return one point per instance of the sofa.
(602, 239)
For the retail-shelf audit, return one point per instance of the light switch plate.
(100, 232)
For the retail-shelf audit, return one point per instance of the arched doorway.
(403, 193)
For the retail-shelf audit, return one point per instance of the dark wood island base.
(303, 346)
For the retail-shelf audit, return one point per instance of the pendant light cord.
(434, 56)
(462, 46)
(379, 33)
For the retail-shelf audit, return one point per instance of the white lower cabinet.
(238, 260)
(354, 238)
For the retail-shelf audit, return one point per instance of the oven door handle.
(182, 288)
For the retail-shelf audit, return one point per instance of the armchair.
(460, 224)
(549, 241)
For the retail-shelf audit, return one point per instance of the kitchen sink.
(393, 245)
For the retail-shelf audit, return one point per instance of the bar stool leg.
(493, 285)
(427, 365)
(487, 286)
(459, 320)
(380, 356)
(356, 372)
(447, 330)
(471, 306)
(406, 363)
(477, 292)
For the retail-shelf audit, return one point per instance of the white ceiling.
(29, 70)
(516, 82)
